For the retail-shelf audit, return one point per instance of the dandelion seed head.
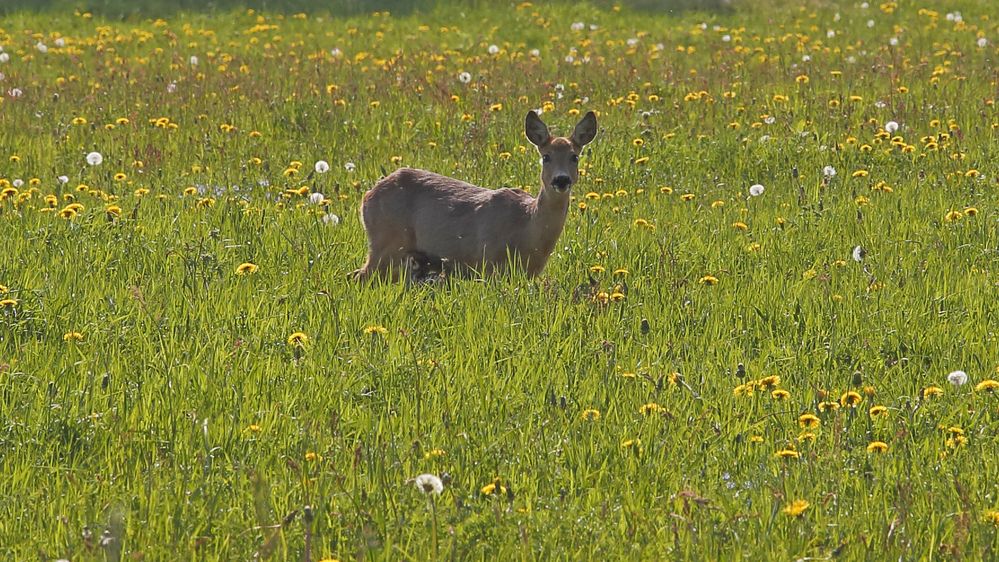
(322, 167)
(464, 77)
(95, 158)
(891, 126)
(756, 190)
(429, 484)
(858, 253)
(829, 171)
(957, 378)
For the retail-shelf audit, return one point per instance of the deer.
(415, 216)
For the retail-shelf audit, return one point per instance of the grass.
(154, 403)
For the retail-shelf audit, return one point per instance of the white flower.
(493, 49)
(60, 42)
(830, 34)
(829, 171)
(336, 52)
(893, 41)
(95, 159)
(322, 167)
(891, 126)
(858, 253)
(15, 92)
(63, 179)
(806, 58)
(429, 484)
(726, 38)
(770, 120)
(194, 60)
(880, 104)
(331, 219)
(171, 87)
(17, 183)
(316, 198)
(957, 378)
(982, 42)
(569, 59)
(464, 77)
(756, 190)
(632, 41)
(577, 26)
(870, 23)
(42, 47)
(535, 53)
(4, 57)
(864, 5)
(594, 27)
(349, 166)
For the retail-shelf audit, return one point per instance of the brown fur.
(415, 212)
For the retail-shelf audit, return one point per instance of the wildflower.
(68, 213)
(590, 415)
(331, 219)
(877, 447)
(635, 444)
(708, 280)
(992, 516)
(350, 167)
(756, 190)
(120, 177)
(987, 386)
(970, 211)
(298, 339)
(433, 454)
(796, 508)
(829, 171)
(494, 487)
(94, 158)
(464, 77)
(739, 225)
(253, 428)
(828, 406)
(957, 378)
(810, 421)
(850, 399)
(787, 454)
(72, 337)
(247, 268)
(322, 167)
(953, 216)
(860, 174)
(429, 484)
(780, 394)
(877, 411)
(858, 253)
(311, 456)
(376, 330)
(651, 408)
(891, 127)
(931, 391)
(769, 382)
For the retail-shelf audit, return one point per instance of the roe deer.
(418, 213)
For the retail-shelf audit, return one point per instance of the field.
(768, 330)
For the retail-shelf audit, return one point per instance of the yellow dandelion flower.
(828, 406)
(687, 197)
(780, 394)
(860, 174)
(970, 211)
(952, 216)
(769, 382)
(740, 225)
(495, 487)
(433, 454)
(253, 428)
(120, 176)
(8, 303)
(931, 391)
(247, 268)
(877, 411)
(796, 508)
(72, 337)
(590, 415)
(988, 385)
(651, 408)
(787, 454)
(877, 447)
(810, 421)
(312, 456)
(850, 399)
(992, 516)
(298, 339)
(375, 330)
(708, 280)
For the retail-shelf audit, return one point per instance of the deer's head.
(560, 155)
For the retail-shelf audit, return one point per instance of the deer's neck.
(549, 211)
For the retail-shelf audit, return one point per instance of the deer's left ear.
(536, 130)
(585, 130)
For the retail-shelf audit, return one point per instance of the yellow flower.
(311, 456)
(796, 508)
(495, 487)
(850, 399)
(708, 280)
(992, 516)
(298, 339)
(651, 408)
(877, 411)
(809, 420)
(953, 216)
(120, 177)
(860, 174)
(828, 406)
(641, 161)
(988, 385)
(8, 303)
(433, 454)
(376, 330)
(113, 211)
(769, 382)
(740, 225)
(590, 415)
(687, 197)
(877, 447)
(496, 107)
(931, 391)
(787, 454)
(620, 272)
(780, 394)
(68, 213)
(970, 211)
(631, 444)
(72, 336)
(247, 268)
(597, 269)
(253, 428)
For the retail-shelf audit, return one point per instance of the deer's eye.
(575, 158)
(546, 158)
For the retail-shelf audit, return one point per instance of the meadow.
(767, 332)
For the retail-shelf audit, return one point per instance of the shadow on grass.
(118, 9)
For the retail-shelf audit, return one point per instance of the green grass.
(185, 426)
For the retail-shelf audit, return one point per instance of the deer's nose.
(561, 182)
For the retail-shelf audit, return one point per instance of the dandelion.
(651, 408)
(829, 171)
(860, 174)
(931, 391)
(957, 378)
(756, 190)
(312, 456)
(796, 508)
(987, 386)
(247, 268)
(858, 254)
(787, 454)
(780, 394)
(253, 428)
(429, 484)
(828, 406)
(70, 337)
(322, 167)
(810, 421)
(982, 42)
(331, 219)
(850, 399)
(953, 216)
(891, 127)
(877, 411)
(95, 158)
(316, 198)
(433, 454)
(708, 280)
(375, 330)
(590, 415)
(492, 50)
(495, 487)
(464, 77)
(298, 339)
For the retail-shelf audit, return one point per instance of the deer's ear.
(537, 131)
(585, 130)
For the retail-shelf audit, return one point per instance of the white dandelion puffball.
(982, 42)
(756, 190)
(63, 179)
(322, 167)
(4, 57)
(15, 92)
(891, 126)
(577, 26)
(535, 53)
(18, 182)
(194, 60)
(464, 77)
(429, 484)
(95, 159)
(336, 52)
(829, 171)
(316, 198)
(957, 378)
(858, 253)
(331, 219)
(493, 49)
(893, 41)
(42, 47)
(60, 42)
(349, 166)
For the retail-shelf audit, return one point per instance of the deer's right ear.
(537, 131)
